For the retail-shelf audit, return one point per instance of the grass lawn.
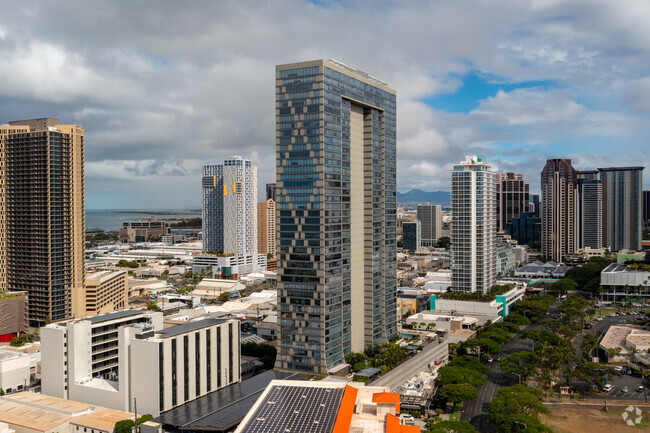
(588, 420)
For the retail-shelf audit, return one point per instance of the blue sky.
(164, 87)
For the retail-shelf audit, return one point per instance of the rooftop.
(39, 412)
(188, 327)
(103, 419)
(114, 315)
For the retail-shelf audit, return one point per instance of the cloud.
(164, 87)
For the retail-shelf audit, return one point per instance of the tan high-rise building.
(559, 229)
(42, 221)
(266, 227)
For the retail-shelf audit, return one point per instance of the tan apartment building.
(105, 292)
(43, 215)
(266, 227)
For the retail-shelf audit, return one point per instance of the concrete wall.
(14, 372)
(54, 353)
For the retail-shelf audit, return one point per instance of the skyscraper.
(622, 207)
(589, 210)
(336, 198)
(270, 191)
(266, 227)
(558, 183)
(412, 239)
(430, 217)
(473, 226)
(42, 221)
(512, 198)
(646, 208)
(230, 207)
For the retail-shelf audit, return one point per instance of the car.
(640, 388)
(626, 389)
(407, 417)
(618, 368)
(490, 360)
(608, 387)
(498, 358)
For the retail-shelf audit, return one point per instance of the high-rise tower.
(266, 227)
(473, 226)
(430, 216)
(559, 229)
(336, 199)
(589, 193)
(622, 207)
(230, 207)
(512, 198)
(42, 221)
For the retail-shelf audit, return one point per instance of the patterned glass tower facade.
(336, 206)
(622, 207)
(559, 228)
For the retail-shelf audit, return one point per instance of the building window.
(230, 350)
(197, 365)
(161, 378)
(219, 357)
(208, 359)
(186, 367)
(174, 378)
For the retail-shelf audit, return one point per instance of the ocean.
(111, 219)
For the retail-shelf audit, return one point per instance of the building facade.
(646, 208)
(622, 207)
(105, 292)
(526, 229)
(430, 217)
(559, 232)
(412, 238)
(473, 226)
(336, 199)
(146, 229)
(513, 198)
(270, 191)
(230, 207)
(266, 227)
(589, 209)
(14, 315)
(112, 359)
(42, 222)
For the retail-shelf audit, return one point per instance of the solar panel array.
(296, 409)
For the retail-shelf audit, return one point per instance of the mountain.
(419, 196)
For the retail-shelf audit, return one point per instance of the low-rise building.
(212, 288)
(14, 315)
(539, 269)
(112, 359)
(28, 412)
(506, 260)
(14, 371)
(501, 305)
(146, 229)
(438, 281)
(412, 303)
(621, 342)
(325, 407)
(622, 281)
(105, 291)
(229, 266)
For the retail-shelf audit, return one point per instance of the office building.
(14, 315)
(646, 209)
(526, 229)
(336, 199)
(412, 238)
(42, 216)
(266, 227)
(558, 183)
(270, 191)
(146, 229)
(512, 198)
(506, 261)
(105, 292)
(473, 226)
(114, 358)
(230, 207)
(430, 217)
(535, 206)
(589, 202)
(622, 207)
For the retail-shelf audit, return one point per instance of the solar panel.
(295, 409)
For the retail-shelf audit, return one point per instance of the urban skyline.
(516, 100)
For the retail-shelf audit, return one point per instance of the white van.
(608, 387)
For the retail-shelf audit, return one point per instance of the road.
(410, 368)
(474, 410)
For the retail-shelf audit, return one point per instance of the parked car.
(490, 360)
(618, 368)
(640, 388)
(626, 389)
(608, 387)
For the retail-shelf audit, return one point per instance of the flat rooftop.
(103, 419)
(115, 315)
(188, 327)
(39, 412)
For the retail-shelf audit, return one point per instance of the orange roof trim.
(393, 426)
(385, 397)
(344, 417)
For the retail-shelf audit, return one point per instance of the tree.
(224, 297)
(563, 286)
(517, 319)
(451, 427)
(523, 364)
(550, 324)
(153, 307)
(126, 425)
(265, 352)
(515, 400)
(595, 373)
(469, 362)
(455, 375)
(589, 343)
(525, 424)
(458, 392)
(444, 242)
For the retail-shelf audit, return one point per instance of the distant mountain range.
(419, 196)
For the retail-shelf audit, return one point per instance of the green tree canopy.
(515, 400)
(470, 362)
(451, 427)
(563, 286)
(455, 375)
(458, 392)
(524, 364)
(595, 373)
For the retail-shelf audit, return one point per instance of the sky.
(164, 87)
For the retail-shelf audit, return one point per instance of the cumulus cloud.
(164, 87)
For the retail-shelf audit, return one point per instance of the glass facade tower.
(336, 209)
